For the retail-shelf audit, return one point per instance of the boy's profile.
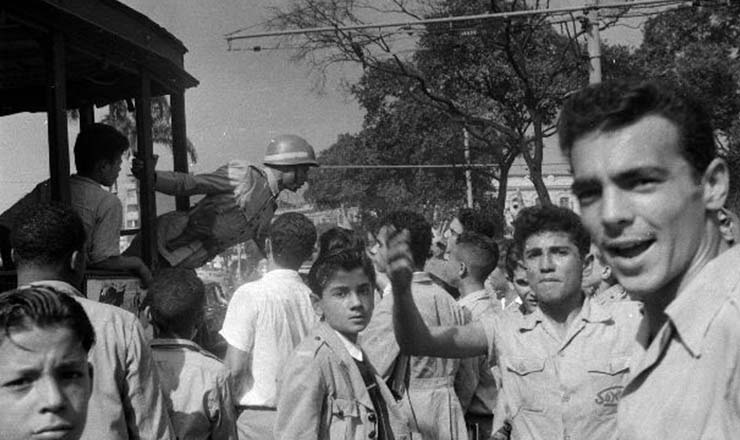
(45, 378)
(195, 382)
(328, 388)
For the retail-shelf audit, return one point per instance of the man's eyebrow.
(638, 172)
(579, 185)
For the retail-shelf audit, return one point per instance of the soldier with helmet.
(240, 200)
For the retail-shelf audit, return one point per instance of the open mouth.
(629, 249)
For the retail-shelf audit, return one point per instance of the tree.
(696, 49)
(124, 120)
(502, 80)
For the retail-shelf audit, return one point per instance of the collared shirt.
(352, 348)
(268, 318)
(196, 386)
(99, 209)
(563, 388)
(430, 399)
(685, 384)
(240, 197)
(613, 293)
(483, 400)
(126, 402)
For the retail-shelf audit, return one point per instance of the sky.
(243, 98)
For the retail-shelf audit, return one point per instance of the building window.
(131, 193)
(564, 202)
(132, 208)
(132, 224)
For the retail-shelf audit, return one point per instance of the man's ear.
(588, 265)
(77, 261)
(13, 256)
(316, 303)
(716, 184)
(606, 272)
(462, 270)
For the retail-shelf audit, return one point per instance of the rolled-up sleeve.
(224, 179)
(143, 402)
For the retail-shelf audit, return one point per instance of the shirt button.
(372, 434)
(371, 418)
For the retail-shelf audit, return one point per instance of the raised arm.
(412, 334)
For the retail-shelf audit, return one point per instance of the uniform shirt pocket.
(345, 415)
(526, 374)
(608, 378)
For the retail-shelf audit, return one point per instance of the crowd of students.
(625, 322)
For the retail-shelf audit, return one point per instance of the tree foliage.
(502, 80)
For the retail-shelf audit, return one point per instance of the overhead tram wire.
(230, 37)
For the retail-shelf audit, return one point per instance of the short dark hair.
(613, 105)
(176, 298)
(479, 253)
(514, 260)
(96, 143)
(476, 221)
(327, 265)
(293, 237)
(44, 307)
(48, 234)
(420, 232)
(337, 238)
(538, 219)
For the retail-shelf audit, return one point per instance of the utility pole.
(468, 171)
(593, 39)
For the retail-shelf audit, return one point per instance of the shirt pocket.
(527, 374)
(345, 416)
(607, 380)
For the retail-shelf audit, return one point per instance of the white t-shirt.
(268, 318)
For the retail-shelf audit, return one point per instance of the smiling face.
(642, 202)
(346, 302)
(554, 267)
(45, 384)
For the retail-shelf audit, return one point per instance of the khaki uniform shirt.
(242, 197)
(126, 400)
(483, 402)
(563, 388)
(321, 394)
(685, 384)
(430, 397)
(197, 388)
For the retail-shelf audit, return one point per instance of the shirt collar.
(161, 342)
(591, 312)
(86, 180)
(421, 277)
(61, 286)
(473, 297)
(282, 273)
(353, 349)
(694, 308)
(271, 182)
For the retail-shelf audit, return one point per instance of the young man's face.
(45, 385)
(110, 171)
(554, 267)
(521, 286)
(380, 249)
(641, 201)
(347, 302)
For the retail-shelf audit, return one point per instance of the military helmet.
(289, 149)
